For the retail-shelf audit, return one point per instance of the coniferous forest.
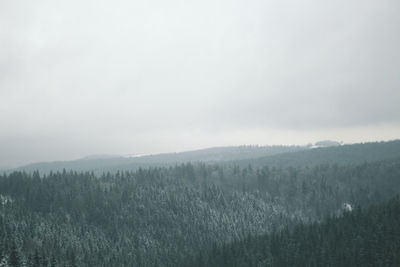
(207, 214)
(199, 133)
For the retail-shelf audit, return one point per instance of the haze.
(139, 77)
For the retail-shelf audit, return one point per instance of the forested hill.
(165, 216)
(257, 156)
(117, 163)
(345, 154)
(368, 237)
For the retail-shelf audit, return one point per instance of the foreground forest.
(204, 214)
(368, 237)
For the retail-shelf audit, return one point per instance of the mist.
(150, 77)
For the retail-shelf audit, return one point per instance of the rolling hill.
(102, 163)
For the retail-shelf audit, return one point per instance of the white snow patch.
(5, 199)
(347, 207)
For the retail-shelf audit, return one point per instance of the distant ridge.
(327, 143)
(257, 156)
(104, 163)
(341, 154)
(99, 156)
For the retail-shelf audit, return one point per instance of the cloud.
(103, 76)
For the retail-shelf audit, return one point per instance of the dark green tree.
(14, 259)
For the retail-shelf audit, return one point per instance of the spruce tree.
(14, 259)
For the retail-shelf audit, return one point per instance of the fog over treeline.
(199, 133)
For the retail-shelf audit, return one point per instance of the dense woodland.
(368, 237)
(341, 155)
(204, 214)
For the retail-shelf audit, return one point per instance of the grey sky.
(121, 77)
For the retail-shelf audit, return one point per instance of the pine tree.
(36, 259)
(53, 261)
(14, 259)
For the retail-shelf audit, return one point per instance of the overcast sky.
(126, 77)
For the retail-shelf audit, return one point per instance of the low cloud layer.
(144, 77)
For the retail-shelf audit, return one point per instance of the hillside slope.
(342, 155)
(163, 216)
(113, 164)
(359, 238)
